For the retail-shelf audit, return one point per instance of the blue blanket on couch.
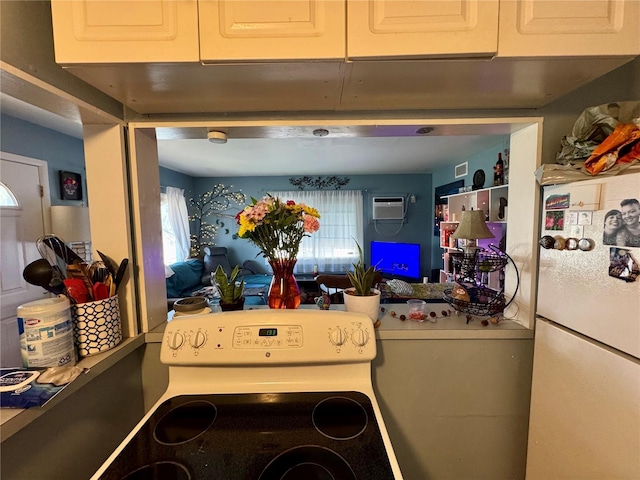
(186, 278)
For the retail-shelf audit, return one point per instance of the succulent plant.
(362, 277)
(230, 290)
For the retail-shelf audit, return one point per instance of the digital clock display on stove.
(268, 332)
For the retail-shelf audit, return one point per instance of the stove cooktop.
(267, 436)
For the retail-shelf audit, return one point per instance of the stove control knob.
(338, 337)
(360, 337)
(198, 339)
(176, 340)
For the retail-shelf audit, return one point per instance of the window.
(7, 198)
(169, 251)
(332, 248)
(175, 225)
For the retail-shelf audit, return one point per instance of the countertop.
(14, 419)
(452, 326)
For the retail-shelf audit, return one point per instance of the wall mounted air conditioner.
(388, 208)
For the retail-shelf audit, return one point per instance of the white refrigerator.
(585, 401)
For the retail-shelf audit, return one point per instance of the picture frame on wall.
(70, 186)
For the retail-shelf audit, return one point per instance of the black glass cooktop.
(278, 436)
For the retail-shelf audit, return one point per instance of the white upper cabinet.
(419, 28)
(95, 31)
(221, 31)
(271, 30)
(554, 28)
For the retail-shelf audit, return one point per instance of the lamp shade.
(71, 223)
(472, 226)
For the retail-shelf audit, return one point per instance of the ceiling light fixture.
(217, 137)
(320, 132)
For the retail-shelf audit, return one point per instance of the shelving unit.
(493, 201)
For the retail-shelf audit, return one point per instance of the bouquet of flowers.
(277, 227)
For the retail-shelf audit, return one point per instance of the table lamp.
(471, 228)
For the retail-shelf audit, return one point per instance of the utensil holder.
(96, 326)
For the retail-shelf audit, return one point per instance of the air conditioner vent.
(388, 208)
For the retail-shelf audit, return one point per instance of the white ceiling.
(293, 154)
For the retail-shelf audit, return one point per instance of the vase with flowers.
(277, 227)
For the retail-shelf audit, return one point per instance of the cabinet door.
(96, 31)
(271, 30)
(418, 28)
(553, 28)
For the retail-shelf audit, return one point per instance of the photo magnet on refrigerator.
(622, 265)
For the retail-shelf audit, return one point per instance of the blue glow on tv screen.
(393, 258)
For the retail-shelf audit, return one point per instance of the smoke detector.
(217, 137)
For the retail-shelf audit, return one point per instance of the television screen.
(393, 258)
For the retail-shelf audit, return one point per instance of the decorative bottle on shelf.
(498, 171)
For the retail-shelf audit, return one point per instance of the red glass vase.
(284, 291)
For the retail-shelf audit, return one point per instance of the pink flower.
(311, 224)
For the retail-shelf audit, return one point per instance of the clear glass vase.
(283, 291)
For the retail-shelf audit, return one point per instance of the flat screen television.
(398, 259)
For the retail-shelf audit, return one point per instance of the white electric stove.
(262, 395)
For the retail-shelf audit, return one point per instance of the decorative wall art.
(335, 183)
(70, 186)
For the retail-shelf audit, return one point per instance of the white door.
(22, 220)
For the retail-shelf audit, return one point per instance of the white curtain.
(179, 221)
(332, 248)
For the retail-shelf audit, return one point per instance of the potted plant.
(362, 297)
(231, 291)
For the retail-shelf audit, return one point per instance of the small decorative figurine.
(323, 302)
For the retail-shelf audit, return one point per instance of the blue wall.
(416, 229)
(170, 178)
(61, 152)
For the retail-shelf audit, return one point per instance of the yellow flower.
(311, 211)
(246, 225)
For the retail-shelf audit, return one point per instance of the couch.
(193, 277)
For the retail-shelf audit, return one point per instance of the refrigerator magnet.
(585, 218)
(559, 243)
(572, 218)
(554, 220)
(571, 244)
(585, 244)
(576, 231)
(557, 202)
(622, 265)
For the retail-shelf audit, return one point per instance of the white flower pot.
(369, 305)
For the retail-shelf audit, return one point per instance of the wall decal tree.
(212, 203)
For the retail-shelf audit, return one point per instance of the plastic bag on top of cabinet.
(605, 140)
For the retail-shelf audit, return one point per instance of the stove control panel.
(269, 336)
(272, 336)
